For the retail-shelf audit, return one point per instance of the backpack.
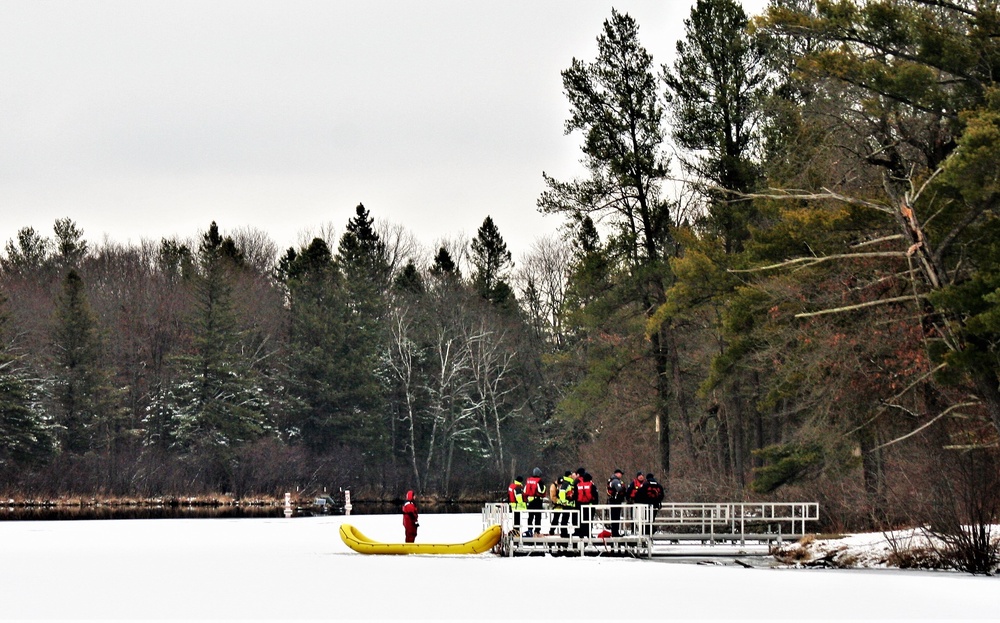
(654, 492)
(616, 493)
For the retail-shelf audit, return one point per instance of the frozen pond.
(293, 569)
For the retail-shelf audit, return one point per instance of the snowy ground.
(294, 569)
(875, 550)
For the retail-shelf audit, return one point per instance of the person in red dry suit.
(410, 518)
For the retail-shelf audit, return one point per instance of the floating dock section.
(643, 531)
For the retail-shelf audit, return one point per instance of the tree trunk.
(739, 443)
(758, 419)
(662, 401)
(989, 392)
(873, 476)
(678, 391)
(447, 469)
(724, 439)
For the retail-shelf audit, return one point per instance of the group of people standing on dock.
(576, 490)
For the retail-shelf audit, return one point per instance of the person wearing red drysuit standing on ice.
(410, 518)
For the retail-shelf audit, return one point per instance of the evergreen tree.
(444, 265)
(614, 103)
(715, 91)
(30, 252)
(362, 254)
(915, 125)
(409, 279)
(491, 262)
(175, 260)
(71, 248)
(26, 434)
(363, 263)
(83, 393)
(330, 374)
(590, 268)
(218, 405)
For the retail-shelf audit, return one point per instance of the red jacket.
(533, 488)
(410, 514)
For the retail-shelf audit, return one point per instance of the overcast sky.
(152, 119)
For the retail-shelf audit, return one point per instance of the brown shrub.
(915, 558)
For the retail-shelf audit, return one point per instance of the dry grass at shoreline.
(300, 498)
(133, 502)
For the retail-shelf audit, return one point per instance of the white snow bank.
(294, 569)
(874, 550)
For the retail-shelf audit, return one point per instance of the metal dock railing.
(642, 529)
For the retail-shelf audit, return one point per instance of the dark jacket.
(633, 494)
(650, 493)
(616, 490)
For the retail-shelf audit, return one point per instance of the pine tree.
(715, 93)
(409, 279)
(491, 261)
(715, 90)
(26, 435)
(362, 254)
(615, 105)
(217, 406)
(83, 393)
(926, 72)
(29, 253)
(444, 265)
(175, 260)
(71, 248)
(330, 372)
(590, 266)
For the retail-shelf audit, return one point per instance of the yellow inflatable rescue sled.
(363, 545)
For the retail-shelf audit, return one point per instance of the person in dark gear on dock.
(651, 494)
(515, 495)
(586, 496)
(567, 502)
(534, 493)
(633, 489)
(616, 497)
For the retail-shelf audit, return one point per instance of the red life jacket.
(634, 489)
(515, 492)
(585, 492)
(531, 487)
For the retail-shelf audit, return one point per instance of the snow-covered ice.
(294, 569)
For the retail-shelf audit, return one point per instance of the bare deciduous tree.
(541, 282)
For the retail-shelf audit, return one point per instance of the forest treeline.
(778, 279)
